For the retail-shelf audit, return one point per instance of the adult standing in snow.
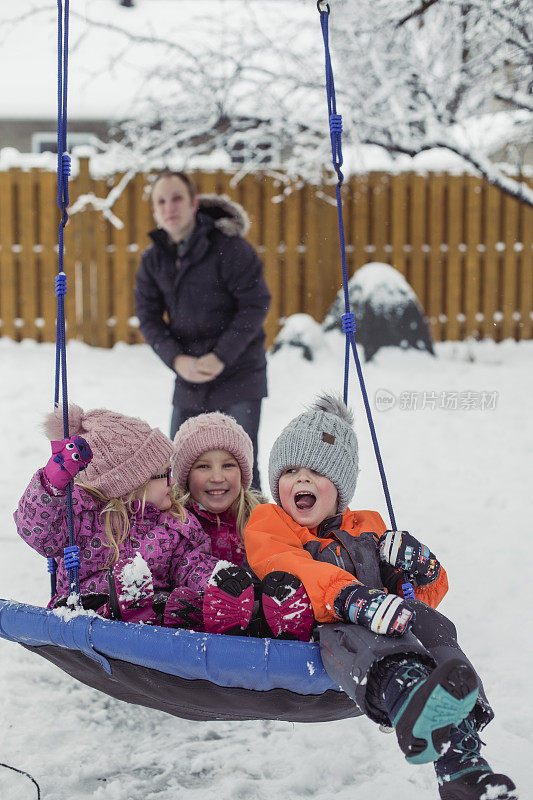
(201, 300)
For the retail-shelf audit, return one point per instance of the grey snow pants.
(349, 652)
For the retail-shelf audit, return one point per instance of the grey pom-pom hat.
(321, 439)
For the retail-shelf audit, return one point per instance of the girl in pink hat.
(137, 543)
(212, 467)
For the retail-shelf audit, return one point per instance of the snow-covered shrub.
(387, 312)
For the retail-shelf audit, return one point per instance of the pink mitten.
(69, 456)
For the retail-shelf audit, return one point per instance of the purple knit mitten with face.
(69, 456)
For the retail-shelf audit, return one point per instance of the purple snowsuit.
(177, 553)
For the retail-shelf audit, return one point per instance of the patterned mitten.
(403, 551)
(69, 456)
(374, 609)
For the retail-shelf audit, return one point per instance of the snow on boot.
(229, 600)
(287, 610)
(479, 786)
(131, 591)
(463, 774)
(184, 609)
(424, 713)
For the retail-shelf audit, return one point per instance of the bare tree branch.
(418, 12)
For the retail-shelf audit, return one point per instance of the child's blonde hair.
(116, 515)
(240, 509)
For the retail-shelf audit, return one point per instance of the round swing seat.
(197, 676)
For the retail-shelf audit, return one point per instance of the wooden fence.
(464, 246)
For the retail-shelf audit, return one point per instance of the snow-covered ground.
(459, 479)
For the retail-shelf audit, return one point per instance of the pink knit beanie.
(126, 450)
(205, 432)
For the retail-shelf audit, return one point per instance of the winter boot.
(463, 774)
(423, 705)
(228, 601)
(131, 591)
(184, 609)
(287, 610)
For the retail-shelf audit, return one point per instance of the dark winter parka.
(216, 300)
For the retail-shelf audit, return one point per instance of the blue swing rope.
(348, 318)
(72, 552)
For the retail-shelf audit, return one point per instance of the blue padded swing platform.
(197, 676)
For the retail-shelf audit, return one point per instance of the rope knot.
(335, 123)
(72, 557)
(348, 322)
(61, 284)
(65, 165)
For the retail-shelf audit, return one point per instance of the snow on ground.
(458, 480)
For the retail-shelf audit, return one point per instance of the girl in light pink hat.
(137, 543)
(212, 465)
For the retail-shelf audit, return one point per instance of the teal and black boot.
(423, 706)
(463, 774)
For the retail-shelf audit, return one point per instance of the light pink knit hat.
(212, 431)
(126, 450)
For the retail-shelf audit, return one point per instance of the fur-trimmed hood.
(229, 217)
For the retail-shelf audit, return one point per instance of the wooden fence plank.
(144, 223)
(418, 237)
(526, 273)
(132, 257)
(48, 241)
(330, 262)
(207, 182)
(379, 216)
(454, 214)
(271, 239)
(292, 282)
(100, 273)
(399, 222)
(511, 215)
(9, 295)
(119, 278)
(436, 260)
(492, 229)
(359, 222)
(71, 263)
(85, 260)
(249, 196)
(313, 274)
(27, 265)
(472, 255)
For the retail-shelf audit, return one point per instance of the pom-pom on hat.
(126, 450)
(321, 439)
(213, 431)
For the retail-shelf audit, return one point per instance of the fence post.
(84, 260)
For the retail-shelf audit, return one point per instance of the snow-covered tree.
(439, 74)
(245, 78)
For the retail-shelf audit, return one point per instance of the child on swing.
(137, 544)
(397, 658)
(212, 466)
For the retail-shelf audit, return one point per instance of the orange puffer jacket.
(274, 541)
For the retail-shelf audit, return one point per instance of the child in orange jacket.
(397, 658)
